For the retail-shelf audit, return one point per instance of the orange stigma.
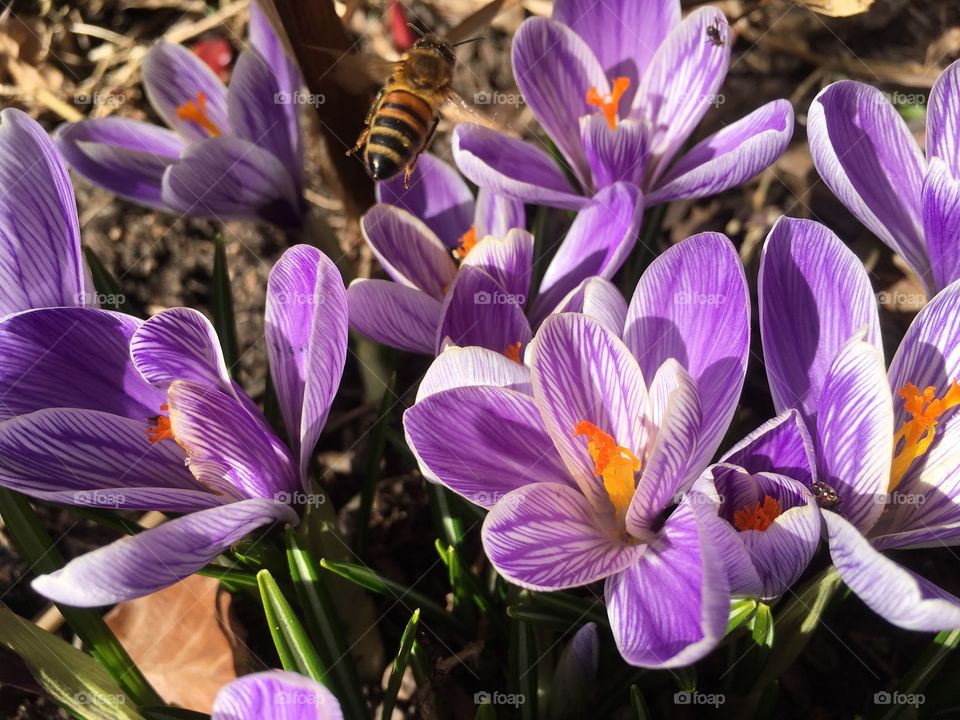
(467, 242)
(160, 428)
(512, 351)
(196, 112)
(759, 517)
(916, 435)
(609, 104)
(614, 463)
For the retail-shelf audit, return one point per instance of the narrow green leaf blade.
(638, 705)
(106, 285)
(740, 612)
(221, 305)
(761, 626)
(400, 663)
(293, 646)
(378, 442)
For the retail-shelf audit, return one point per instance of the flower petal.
(275, 695)
(614, 155)
(650, 627)
(598, 243)
(781, 445)
(482, 442)
(140, 564)
(228, 449)
(898, 595)
(867, 156)
(507, 259)
(600, 299)
(692, 305)
(462, 367)
(681, 84)
(172, 76)
(497, 214)
(554, 68)
(814, 295)
(72, 357)
(42, 262)
(231, 178)
(478, 311)
(623, 34)
(513, 168)
(394, 315)
(408, 250)
(941, 223)
(582, 371)
(306, 329)
(943, 119)
(729, 157)
(437, 195)
(92, 458)
(127, 157)
(545, 537)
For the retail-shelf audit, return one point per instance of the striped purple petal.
(275, 695)
(600, 299)
(781, 445)
(943, 119)
(462, 367)
(497, 214)
(508, 259)
(614, 155)
(941, 223)
(394, 315)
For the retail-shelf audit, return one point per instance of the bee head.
(431, 42)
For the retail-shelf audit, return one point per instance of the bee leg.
(361, 141)
(408, 170)
(367, 122)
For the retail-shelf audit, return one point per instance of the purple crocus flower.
(101, 409)
(275, 695)
(230, 154)
(619, 88)
(432, 301)
(581, 459)
(886, 442)
(868, 157)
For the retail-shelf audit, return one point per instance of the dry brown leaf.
(181, 639)
(838, 8)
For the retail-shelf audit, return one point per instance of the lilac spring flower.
(432, 301)
(868, 157)
(581, 457)
(887, 442)
(620, 87)
(100, 409)
(230, 154)
(275, 695)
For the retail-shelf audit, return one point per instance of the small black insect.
(715, 36)
(825, 495)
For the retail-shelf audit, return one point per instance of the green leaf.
(378, 442)
(373, 581)
(576, 610)
(486, 711)
(638, 705)
(107, 287)
(221, 305)
(229, 576)
(740, 612)
(36, 547)
(448, 523)
(536, 615)
(523, 663)
(400, 662)
(73, 678)
(924, 670)
(294, 648)
(325, 626)
(761, 626)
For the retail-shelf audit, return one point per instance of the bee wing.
(457, 110)
(478, 20)
(357, 72)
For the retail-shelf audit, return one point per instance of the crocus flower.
(868, 157)
(432, 300)
(229, 154)
(620, 88)
(886, 442)
(101, 409)
(581, 460)
(275, 695)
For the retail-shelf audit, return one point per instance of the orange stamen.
(759, 517)
(512, 351)
(196, 112)
(609, 104)
(467, 242)
(160, 428)
(614, 463)
(916, 435)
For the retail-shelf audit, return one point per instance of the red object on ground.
(403, 36)
(217, 53)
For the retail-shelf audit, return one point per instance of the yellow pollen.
(609, 104)
(467, 242)
(196, 112)
(159, 427)
(512, 351)
(758, 517)
(916, 435)
(614, 463)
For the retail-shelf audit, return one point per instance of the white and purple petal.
(508, 259)
(600, 299)
(394, 315)
(275, 695)
(781, 445)
(466, 366)
(941, 223)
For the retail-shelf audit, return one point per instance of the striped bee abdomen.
(399, 128)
